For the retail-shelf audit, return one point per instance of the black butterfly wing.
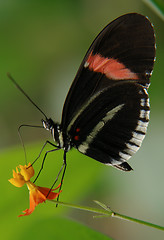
(123, 50)
(106, 111)
(112, 125)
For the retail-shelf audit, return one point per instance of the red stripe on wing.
(111, 67)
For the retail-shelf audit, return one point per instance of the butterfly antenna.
(25, 94)
(21, 139)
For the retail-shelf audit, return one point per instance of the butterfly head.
(54, 128)
(48, 124)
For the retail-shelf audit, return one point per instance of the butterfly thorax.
(57, 134)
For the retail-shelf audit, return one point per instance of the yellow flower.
(20, 178)
(37, 194)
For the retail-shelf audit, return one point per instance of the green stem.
(121, 216)
(108, 212)
(89, 209)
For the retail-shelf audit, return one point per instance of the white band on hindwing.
(84, 145)
(138, 134)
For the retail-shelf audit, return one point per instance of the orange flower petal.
(46, 191)
(36, 197)
(31, 209)
(53, 195)
(56, 187)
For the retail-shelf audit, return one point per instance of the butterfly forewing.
(124, 50)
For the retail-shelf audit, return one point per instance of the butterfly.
(106, 112)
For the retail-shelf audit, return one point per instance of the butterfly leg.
(56, 180)
(44, 158)
(47, 142)
(64, 165)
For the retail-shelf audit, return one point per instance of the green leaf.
(103, 205)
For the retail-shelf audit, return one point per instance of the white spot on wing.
(138, 137)
(133, 148)
(135, 141)
(124, 156)
(144, 114)
(113, 162)
(141, 126)
(143, 101)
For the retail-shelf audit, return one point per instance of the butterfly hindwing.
(112, 126)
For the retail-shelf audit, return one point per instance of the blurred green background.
(42, 44)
